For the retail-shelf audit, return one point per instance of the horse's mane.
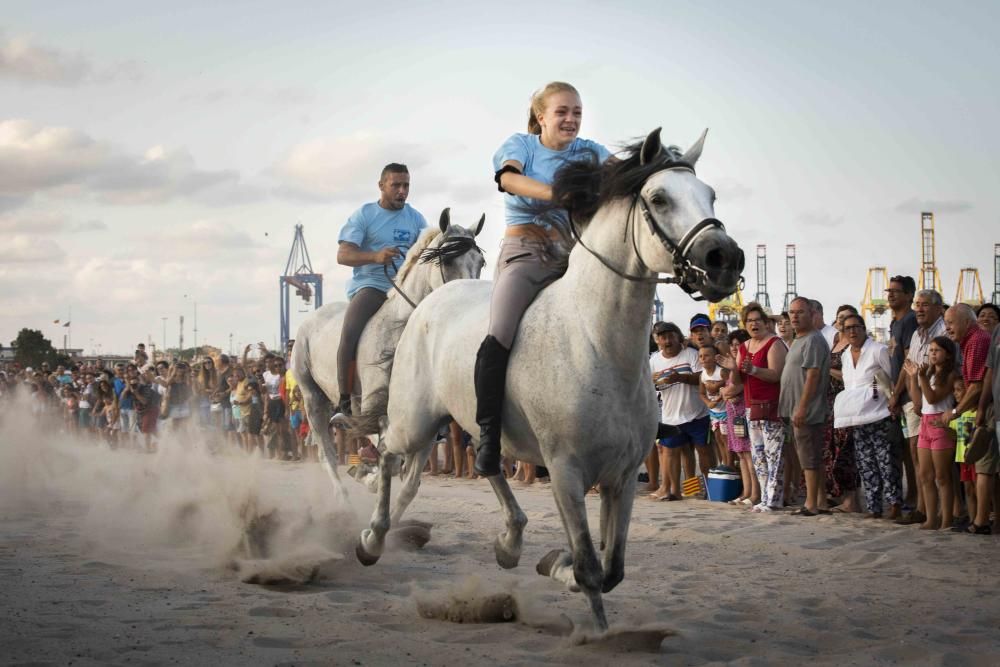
(583, 186)
(413, 255)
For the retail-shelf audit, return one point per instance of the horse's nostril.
(714, 259)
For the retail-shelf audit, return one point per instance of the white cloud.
(25, 61)
(34, 222)
(342, 168)
(22, 248)
(67, 162)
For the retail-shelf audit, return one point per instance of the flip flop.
(655, 497)
(823, 511)
(803, 512)
(973, 529)
(837, 509)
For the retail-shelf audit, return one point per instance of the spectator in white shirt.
(865, 407)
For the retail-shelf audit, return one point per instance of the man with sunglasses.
(374, 242)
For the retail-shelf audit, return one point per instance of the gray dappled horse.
(579, 398)
(441, 254)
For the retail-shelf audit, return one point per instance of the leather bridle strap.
(444, 252)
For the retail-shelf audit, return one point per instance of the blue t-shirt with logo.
(372, 228)
(541, 164)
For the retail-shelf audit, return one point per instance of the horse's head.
(455, 251)
(685, 239)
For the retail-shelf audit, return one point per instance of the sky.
(158, 156)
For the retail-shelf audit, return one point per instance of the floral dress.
(839, 458)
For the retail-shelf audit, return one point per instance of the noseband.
(685, 271)
(441, 254)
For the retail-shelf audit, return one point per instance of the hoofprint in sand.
(117, 557)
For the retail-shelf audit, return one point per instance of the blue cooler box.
(723, 486)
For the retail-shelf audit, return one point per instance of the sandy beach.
(127, 558)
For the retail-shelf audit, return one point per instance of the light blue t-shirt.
(372, 228)
(541, 164)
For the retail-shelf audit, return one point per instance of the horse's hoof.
(545, 565)
(364, 557)
(505, 558)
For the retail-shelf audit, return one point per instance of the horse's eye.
(658, 200)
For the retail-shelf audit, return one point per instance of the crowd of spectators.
(813, 417)
(821, 418)
(249, 404)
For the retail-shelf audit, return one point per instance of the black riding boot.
(490, 379)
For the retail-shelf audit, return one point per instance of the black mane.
(582, 187)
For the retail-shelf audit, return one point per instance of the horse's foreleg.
(569, 491)
(507, 545)
(617, 501)
(411, 483)
(372, 542)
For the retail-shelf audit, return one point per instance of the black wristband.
(507, 167)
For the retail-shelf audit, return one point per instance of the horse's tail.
(316, 403)
(369, 420)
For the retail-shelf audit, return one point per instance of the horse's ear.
(693, 153)
(479, 225)
(650, 147)
(445, 220)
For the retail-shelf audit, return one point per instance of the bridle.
(440, 254)
(685, 272)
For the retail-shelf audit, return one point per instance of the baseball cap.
(700, 320)
(666, 327)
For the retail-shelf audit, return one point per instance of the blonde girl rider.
(525, 167)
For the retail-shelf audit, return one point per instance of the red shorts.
(933, 437)
(967, 472)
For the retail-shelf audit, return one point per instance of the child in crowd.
(295, 421)
(935, 450)
(713, 377)
(960, 432)
(111, 416)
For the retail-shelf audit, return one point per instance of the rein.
(440, 255)
(684, 270)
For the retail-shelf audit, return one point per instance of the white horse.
(579, 398)
(440, 255)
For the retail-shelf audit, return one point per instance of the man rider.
(374, 241)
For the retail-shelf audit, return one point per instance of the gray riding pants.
(524, 268)
(363, 305)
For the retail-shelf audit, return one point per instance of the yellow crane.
(728, 310)
(970, 290)
(930, 278)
